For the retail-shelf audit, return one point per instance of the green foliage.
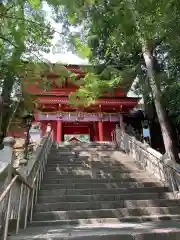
(93, 86)
(113, 33)
(82, 48)
(24, 35)
(35, 3)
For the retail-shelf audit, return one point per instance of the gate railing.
(166, 171)
(20, 193)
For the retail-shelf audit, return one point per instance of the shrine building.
(96, 121)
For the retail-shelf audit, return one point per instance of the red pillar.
(59, 131)
(100, 129)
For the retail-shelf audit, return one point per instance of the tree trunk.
(5, 112)
(169, 142)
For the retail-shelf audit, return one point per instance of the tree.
(129, 24)
(24, 34)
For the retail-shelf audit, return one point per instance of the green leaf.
(72, 19)
(35, 3)
(82, 48)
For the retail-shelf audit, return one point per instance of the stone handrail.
(166, 171)
(27, 168)
(6, 157)
(20, 186)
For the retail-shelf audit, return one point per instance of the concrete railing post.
(6, 154)
(6, 164)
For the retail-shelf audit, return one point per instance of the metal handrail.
(165, 172)
(3, 195)
(28, 191)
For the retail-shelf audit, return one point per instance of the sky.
(66, 57)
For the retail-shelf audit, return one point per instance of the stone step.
(94, 221)
(95, 230)
(62, 155)
(93, 162)
(91, 165)
(85, 147)
(56, 150)
(74, 158)
(82, 151)
(105, 213)
(102, 187)
(83, 154)
(72, 173)
(79, 146)
(87, 182)
(92, 150)
(87, 157)
(110, 164)
(65, 206)
(93, 175)
(92, 156)
(123, 236)
(56, 168)
(91, 144)
(71, 152)
(81, 196)
(102, 183)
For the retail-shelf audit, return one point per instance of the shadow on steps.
(89, 187)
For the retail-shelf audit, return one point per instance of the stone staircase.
(92, 191)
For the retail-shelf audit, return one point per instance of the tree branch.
(7, 40)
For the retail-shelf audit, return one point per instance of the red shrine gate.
(97, 121)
